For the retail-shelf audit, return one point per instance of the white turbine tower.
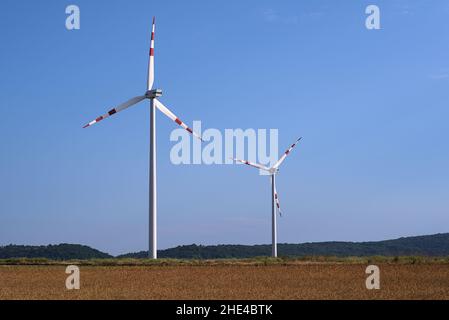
(275, 205)
(150, 94)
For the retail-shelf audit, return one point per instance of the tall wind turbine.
(150, 94)
(275, 204)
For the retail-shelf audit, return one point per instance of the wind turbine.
(150, 94)
(275, 204)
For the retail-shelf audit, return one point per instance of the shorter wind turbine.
(275, 204)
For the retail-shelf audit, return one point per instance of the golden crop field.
(291, 281)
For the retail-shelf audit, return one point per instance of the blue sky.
(371, 106)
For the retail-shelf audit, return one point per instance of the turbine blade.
(172, 116)
(286, 153)
(119, 108)
(150, 79)
(276, 198)
(252, 164)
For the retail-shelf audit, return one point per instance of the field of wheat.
(288, 281)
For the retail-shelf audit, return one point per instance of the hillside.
(62, 251)
(430, 245)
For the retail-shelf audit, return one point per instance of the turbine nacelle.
(151, 94)
(273, 170)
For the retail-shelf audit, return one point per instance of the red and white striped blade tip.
(197, 136)
(294, 145)
(93, 122)
(286, 153)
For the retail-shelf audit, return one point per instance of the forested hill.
(62, 251)
(431, 245)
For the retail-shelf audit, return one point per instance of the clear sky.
(372, 106)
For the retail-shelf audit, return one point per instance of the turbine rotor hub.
(151, 94)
